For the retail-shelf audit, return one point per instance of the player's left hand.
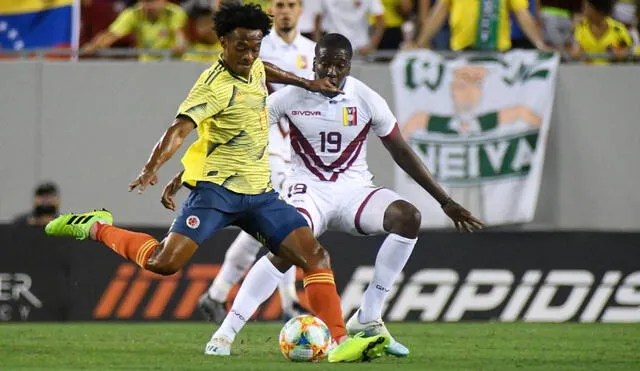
(323, 86)
(143, 180)
(462, 218)
(169, 192)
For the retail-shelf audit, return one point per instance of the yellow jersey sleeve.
(204, 102)
(124, 24)
(518, 4)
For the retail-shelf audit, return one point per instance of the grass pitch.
(460, 346)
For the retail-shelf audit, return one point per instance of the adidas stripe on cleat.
(77, 225)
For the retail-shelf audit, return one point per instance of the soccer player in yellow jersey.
(597, 33)
(480, 24)
(157, 24)
(227, 170)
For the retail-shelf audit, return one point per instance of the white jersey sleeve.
(382, 119)
(277, 104)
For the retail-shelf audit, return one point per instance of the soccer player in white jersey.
(330, 184)
(288, 49)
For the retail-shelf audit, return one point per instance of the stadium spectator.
(351, 19)
(157, 24)
(519, 39)
(46, 202)
(306, 24)
(396, 12)
(204, 37)
(441, 40)
(558, 19)
(465, 21)
(598, 33)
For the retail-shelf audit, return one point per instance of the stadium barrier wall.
(515, 276)
(90, 126)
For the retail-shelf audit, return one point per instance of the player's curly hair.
(234, 15)
(603, 6)
(335, 41)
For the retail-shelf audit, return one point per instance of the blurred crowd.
(580, 29)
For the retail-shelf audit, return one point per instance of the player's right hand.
(462, 218)
(143, 180)
(169, 192)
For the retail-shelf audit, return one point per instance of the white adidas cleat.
(218, 346)
(373, 328)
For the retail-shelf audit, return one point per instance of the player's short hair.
(335, 41)
(233, 15)
(602, 6)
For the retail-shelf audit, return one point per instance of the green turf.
(172, 346)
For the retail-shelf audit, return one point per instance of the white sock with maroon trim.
(391, 259)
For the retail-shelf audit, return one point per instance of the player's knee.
(402, 218)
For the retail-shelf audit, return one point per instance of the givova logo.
(16, 298)
(500, 294)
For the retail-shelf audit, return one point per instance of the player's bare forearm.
(408, 161)
(377, 33)
(277, 75)
(169, 143)
(530, 28)
(280, 76)
(433, 23)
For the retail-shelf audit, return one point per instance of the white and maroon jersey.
(329, 135)
(296, 58)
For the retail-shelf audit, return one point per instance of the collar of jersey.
(246, 81)
(347, 88)
(280, 41)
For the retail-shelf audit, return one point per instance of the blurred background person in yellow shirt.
(156, 24)
(480, 24)
(203, 37)
(396, 12)
(598, 33)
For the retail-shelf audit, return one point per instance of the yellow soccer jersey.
(231, 114)
(463, 20)
(160, 34)
(616, 36)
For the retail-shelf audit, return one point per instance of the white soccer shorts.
(358, 210)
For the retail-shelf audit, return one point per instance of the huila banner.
(480, 123)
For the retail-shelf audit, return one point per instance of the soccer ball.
(305, 339)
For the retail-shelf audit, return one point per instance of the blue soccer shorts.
(211, 207)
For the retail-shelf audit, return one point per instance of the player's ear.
(223, 42)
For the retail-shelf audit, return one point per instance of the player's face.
(241, 48)
(152, 7)
(286, 14)
(333, 64)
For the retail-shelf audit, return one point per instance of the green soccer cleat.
(77, 225)
(359, 348)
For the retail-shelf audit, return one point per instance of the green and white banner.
(480, 124)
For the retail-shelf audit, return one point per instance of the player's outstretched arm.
(168, 144)
(277, 75)
(407, 159)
